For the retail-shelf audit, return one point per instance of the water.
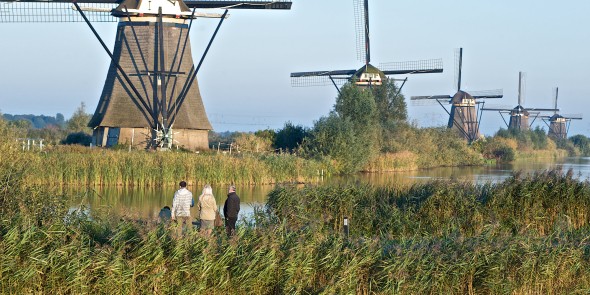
(146, 203)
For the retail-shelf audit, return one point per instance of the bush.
(80, 138)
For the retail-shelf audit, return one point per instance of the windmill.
(559, 125)
(151, 83)
(463, 115)
(368, 75)
(519, 115)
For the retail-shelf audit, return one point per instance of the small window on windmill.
(369, 78)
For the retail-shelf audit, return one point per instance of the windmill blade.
(521, 88)
(347, 73)
(306, 81)
(458, 67)
(321, 78)
(487, 94)
(431, 97)
(54, 11)
(573, 116)
(497, 108)
(361, 24)
(252, 4)
(541, 110)
(412, 67)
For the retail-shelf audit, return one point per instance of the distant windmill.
(368, 75)
(151, 84)
(559, 125)
(463, 115)
(519, 115)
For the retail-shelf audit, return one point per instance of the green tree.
(349, 134)
(390, 103)
(582, 143)
(79, 121)
(290, 137)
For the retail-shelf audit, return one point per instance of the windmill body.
(519, 119)
(151, 97)
(559, 124)
(463, 116)
(121, 120)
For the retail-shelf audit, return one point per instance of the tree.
(349, 134)
(79, 121)
(60, 120)
(290, 137)
(390, 103)
(582, 143)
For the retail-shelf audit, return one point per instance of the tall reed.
(139, 168)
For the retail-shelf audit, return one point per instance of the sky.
(49, 68)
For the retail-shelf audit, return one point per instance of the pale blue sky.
(245, 84)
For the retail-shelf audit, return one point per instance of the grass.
(98, 167)
(527, 235)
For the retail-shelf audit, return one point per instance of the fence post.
(346, 229)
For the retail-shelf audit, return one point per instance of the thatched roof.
(118, 105)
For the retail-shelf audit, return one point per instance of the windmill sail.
(367, 75)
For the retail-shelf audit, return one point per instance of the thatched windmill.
(150, 97)
(368, 75)
(559, 125)
(519, 115)
(463, 115)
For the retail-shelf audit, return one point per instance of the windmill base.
(142, 138)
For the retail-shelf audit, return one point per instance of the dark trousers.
(230, 225)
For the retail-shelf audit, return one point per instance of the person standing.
(207, 210)
(181, 207)
(231, 208)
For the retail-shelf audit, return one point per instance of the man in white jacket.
(181, 207)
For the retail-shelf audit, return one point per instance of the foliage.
(249, 142)
(527, 235)
(38, 121)
(433, 147)
(535, 139)
(78, 165)
(349, 134)
(80, 138)
(500, 148)
(390, 103)
(582, 143)
(290, 137)
(79, 121)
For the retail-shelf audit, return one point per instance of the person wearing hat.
(231, 208)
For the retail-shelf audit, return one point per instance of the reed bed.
(142, 169)
(527, 235)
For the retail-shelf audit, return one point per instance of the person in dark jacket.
(231, 208)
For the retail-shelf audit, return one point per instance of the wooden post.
(346, 230)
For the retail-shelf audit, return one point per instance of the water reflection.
(146, 203)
